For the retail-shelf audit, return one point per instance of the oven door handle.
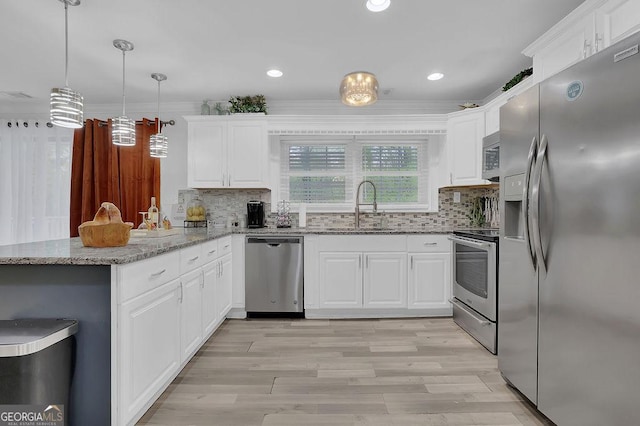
(482, 321)
(470, 243)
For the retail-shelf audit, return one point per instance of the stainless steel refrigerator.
(569, 273)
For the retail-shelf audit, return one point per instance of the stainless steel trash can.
(36, 362)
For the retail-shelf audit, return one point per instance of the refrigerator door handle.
(531, 158)
(537, 236)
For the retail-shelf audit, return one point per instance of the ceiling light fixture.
(66, 105)
(378, 5)
(359, 88)
(435, 76)
(123, 129)
(275, 73)
(158, 143)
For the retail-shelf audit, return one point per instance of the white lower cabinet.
(356, 272)
(224, 286)
(340, 280)
(377, 276)
(166, 307)
(209, 297)
(149, 350)
(385, 280)
(191, 313)
(429, 280)
(362, 280)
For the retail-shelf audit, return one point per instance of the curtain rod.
(102, 123)
(26, 124)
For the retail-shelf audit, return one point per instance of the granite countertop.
(71, 251)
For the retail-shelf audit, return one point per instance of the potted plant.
(517, 79)
(248, 104)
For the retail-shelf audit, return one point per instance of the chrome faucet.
(358, 204)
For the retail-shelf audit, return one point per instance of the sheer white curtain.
(35, 181)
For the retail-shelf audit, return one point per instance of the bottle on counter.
(154, 214)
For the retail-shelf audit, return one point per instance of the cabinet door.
(247, 154)
(385, 283)
(206, 154)
(340, 280)
(492, 118)
(429, 280)
(464, 141)
(225, 286)
(209, 298)
(615, 20)
(149, 350)
(191, 322)
(576, 44)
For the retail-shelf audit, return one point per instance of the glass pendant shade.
(123, 131)
(159, 145)
(359, 89)
(66, 108)
(66, 105)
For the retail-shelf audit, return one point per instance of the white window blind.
(326, 173)
(315, 173)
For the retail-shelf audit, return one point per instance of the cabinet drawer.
(210, 251)
(428, 243)
(190, 258)
(139, 277)
(224, 246)
(368, 243)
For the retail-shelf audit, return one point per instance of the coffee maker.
(255, 214)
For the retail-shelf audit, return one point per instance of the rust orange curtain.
(100, 171)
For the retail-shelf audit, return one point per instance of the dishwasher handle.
(273, 241)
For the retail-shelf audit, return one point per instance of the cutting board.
(158, 233)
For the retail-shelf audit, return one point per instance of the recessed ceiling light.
(435, 76)
(378, 5)
(275, 73)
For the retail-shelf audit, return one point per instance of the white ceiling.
(212, 49)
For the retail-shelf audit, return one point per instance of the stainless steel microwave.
(491, 157)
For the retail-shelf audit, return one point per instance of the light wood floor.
(341, 372)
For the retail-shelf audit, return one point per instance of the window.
(394, 171)
(326, 173)
(315, 173)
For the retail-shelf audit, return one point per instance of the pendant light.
(359, 88)
(123, 129)
(66, 105)
(158, 143)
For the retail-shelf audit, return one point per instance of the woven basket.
(104, 235)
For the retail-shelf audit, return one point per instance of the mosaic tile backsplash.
(225, 204)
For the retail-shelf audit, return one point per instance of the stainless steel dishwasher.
(273, 274)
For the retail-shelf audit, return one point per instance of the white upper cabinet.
(615, 20)
(227, 152)
(464, 148)
(591, 27)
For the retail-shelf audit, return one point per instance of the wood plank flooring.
(277, 372)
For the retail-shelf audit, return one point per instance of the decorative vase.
(205, 109)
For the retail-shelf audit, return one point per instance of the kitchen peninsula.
(146, 308)
(63, 279)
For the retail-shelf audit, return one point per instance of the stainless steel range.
(475, 284)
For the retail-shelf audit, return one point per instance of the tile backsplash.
(223, 204)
